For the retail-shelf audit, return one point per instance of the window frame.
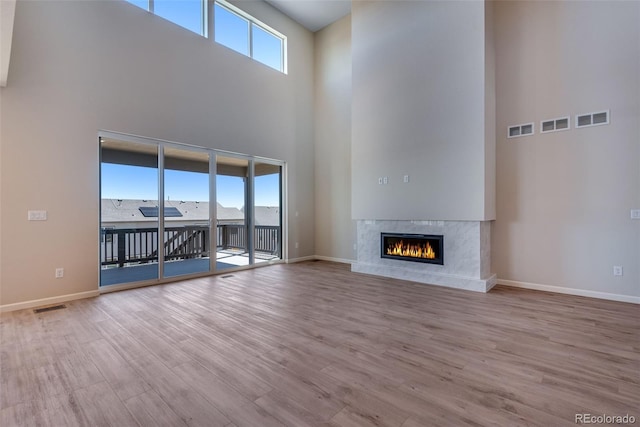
(208, 22)
(253, 22)
(204, 22)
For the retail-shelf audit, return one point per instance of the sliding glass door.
(187, 234)
(232, 175)
(129, 212)
(169, 210)
(267, 211)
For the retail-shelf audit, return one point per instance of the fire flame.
(414, 251)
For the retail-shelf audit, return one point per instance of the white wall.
(335, 231)
(77, 67)
(419, 109)
(563, 199)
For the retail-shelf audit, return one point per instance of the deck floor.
(143, 272)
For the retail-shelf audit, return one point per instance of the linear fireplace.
(425, 248)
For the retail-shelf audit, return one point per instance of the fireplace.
(425, 248)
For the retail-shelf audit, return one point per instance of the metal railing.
(120, 246)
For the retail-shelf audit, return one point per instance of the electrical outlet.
(297, 245)
(59, 273)
(635, 213)
(385, 180)
(406, 178)
(380, 181)
(617, 270)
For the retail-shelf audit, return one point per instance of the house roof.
(267, 215)
(127, 210)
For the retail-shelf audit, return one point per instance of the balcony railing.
(122, 246)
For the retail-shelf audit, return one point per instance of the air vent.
(592, 119)
(52, 308)
(520, 130)
(554, 125)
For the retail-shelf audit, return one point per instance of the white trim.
(570, 291)
(48, 301)
(331, 259)
(301, 259)
(607, 112)
(248, 17)
(520, 134)
(555, 124)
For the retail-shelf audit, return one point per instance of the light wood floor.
(313, 344)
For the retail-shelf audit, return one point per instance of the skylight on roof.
(152, 212)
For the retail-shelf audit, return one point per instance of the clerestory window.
(189, 14)
(241, 32)
(233, 28)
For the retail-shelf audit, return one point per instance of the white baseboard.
(301, 259)
(570, 291)
(331, 259)
(48, 301)
(320, 258)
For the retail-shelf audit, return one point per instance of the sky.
(230, 29)
(136, 182)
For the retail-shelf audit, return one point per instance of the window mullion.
(250, 29)
(205, 27)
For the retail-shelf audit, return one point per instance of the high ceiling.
(313, 14)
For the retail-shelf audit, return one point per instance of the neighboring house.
(127, 213)
(267, 215)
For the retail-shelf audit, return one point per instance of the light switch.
(37, 215)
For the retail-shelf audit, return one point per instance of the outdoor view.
(232, 28)
(131, 242)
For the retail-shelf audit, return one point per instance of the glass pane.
(268, 213)
(231, 184)
(186, 13)
(267, 48)
(128, 239)
(231, 30)
(186, 234)
(144, 4)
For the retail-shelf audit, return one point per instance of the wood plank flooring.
(313, 344)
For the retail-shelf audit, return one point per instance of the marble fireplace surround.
(467, 248)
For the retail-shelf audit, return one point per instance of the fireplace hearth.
(468, 247)
(426, 248)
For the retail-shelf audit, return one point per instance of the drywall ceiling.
(313, 14)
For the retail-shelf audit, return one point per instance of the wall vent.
(592, 119)
(520, 130)
(45, 309)
(555, 125)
